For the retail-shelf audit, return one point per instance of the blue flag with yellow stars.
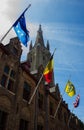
(21, 30)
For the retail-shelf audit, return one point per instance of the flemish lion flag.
(70, 89)
(48, 71)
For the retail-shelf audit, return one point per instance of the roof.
(26, 67)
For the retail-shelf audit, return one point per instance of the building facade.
(18, 81)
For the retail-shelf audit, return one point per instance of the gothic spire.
(39, 37)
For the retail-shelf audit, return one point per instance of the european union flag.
(21, 30)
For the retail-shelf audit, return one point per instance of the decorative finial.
(40, 27)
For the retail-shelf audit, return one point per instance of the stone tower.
(39, 54)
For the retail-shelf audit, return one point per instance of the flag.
(70, 89)
(21, 30)
(48, 71)
(76, 103)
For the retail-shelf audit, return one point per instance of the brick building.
(17, 83)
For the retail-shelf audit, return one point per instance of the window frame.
(9, 78)
(26, 91)
(23, 125)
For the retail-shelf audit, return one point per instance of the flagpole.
(76, 103)
(35, 89)
(13, 24)
(58, 105)
(39, 82)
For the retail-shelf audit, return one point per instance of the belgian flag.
(48, 71)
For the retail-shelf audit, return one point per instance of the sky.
(63, 25)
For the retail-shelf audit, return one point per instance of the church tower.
(39, 54)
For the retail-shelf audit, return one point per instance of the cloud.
(8, 13)
(12, 12)
(9, 8)
(32, 27)
(68, 69)
(39, 1)
(65, 33)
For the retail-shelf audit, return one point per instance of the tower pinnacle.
(39, 37)
(40, 28)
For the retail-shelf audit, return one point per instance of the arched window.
(26, 91)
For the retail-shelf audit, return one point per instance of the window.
(26, 91)
(60, 117)
(3, 120)
(23, 125)
(10, 85)
(8, 78)
(4, 80)
(6, 69)
(0, 53)
(44, 58)
(39, 127)
(12, 74)
(52, 129)
(51, 108)
(40, 100)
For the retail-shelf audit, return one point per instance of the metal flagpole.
(58, 105)
(39, 82)
(46, 107)
(14, 23)
(71, 113)
(36, 111)
(35, 89)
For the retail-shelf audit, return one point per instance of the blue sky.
(63, 25)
